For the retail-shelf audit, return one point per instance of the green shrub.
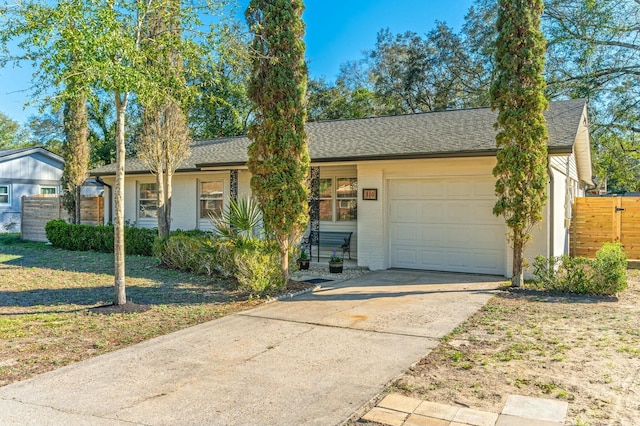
(604, 275)
(576, 275)
(611, 269)
(186, 252)
(137, 241)
(257, 267)
(237, 247)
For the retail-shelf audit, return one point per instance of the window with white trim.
(48, 190)
(211, 198)
(5, 194)
(147, 201)
(338, 199)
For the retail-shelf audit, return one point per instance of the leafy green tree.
(331, 102)
(102, 130)
(518, 95)
(12, 135)
(47, 130)
(594, 52)
(278, 155)
(165, 138)
(103, 44)
(221, 106)
(75, 152)
(163, 145)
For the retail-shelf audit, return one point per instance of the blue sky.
(337, 31)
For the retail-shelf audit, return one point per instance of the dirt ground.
(584, 350)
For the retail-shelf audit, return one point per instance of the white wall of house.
(185, 199)
(551, 236)
(371, 242)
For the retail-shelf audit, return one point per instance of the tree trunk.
(163, 230)
(76, 151)
(120, 295)
(168, 190)
(517, 278)
(284, 258)
(77, 205)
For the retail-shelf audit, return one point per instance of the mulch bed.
(127, 308)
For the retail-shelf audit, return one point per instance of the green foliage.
(331, 102)
(186, 251)
(242, 219)
(237, 247)
(278, 155)
(138, 241)
(604, 275)
(257, 267)
(611, 267)
(518, 95)
(11, 134)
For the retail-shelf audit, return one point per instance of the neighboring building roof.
(459, 133)
(8, 154)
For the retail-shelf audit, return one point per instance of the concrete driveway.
(311, 360)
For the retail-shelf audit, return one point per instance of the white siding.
(372, 223)
(185, 202)
(25, 176)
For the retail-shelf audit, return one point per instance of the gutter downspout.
(551, 213)
(99, 180)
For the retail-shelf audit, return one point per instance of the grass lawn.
(46, 295)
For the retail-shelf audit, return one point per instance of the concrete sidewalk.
(311, 360)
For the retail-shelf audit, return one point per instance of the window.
(48, 190)
(148, 201)
(211, 197)
(338, 199)
(326, 199)
(4, 194)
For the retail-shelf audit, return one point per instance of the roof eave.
(138, 172)
(28, 151)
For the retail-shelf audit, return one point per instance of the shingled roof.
(8, 154)
(465, 132)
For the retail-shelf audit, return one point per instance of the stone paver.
(400, 403)
(418, 420)
(385, 416)
(506, 420)
(475, 417)
(518, 411)
(439, 411)
(536, 408)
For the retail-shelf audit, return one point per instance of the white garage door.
(446, 225)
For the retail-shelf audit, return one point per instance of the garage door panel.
(483, 189)
(446, 225)
(406, 235)
(416, 211)
(460, 189)
(406, 212)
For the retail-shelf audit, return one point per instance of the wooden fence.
(37, 210)
(597, 220)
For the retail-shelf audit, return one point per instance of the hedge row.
(137, 241)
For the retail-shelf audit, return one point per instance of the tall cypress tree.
(518, 95)
(278, 155)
